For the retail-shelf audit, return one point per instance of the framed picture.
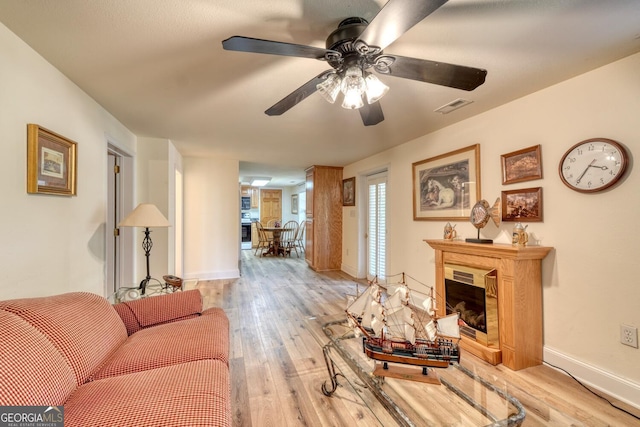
(349, 192)
(522, 165)
(524, 205)
(51, 162)
(294, 203)
(447, 186)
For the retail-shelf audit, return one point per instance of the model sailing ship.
(398, 326)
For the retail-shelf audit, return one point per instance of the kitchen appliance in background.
(245, 224)
(245, 203)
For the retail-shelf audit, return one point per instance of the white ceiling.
(158, 66)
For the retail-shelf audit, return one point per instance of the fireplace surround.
(518, 273)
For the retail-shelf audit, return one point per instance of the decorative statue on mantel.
(449, 232)
(480, 214)
(520, 237)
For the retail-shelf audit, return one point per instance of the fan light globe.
(353, 86)
(330, 88)
(375, 89)
(352, 100)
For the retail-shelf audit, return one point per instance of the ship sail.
(448, 326)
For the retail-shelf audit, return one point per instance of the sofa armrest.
(151, 311)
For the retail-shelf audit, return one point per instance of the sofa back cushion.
(32, 370)
(166, 308)
(84, 327)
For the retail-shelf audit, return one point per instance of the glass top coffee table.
(462, 398)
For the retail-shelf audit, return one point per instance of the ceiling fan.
(353, 50)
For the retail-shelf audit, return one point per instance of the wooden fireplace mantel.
(519, 297)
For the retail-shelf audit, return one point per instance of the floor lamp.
(145, 215)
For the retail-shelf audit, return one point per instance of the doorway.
(376, 236)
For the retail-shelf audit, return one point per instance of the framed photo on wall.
(447, 186)
(294, 203)
(523, 205)
(349, 191)
(522, 165)
(51, 162)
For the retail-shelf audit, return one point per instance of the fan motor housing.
(348, 31)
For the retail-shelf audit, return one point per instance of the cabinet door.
(254, 235)
(309, 193)
(308, 244)
(255, 198)
(245, 191)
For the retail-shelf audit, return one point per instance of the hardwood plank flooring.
(277, 366)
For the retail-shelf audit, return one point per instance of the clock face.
(593, 165)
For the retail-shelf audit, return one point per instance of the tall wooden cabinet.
(323, 250)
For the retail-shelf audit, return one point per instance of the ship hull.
(404, 356)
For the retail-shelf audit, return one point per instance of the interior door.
(377, 226)
(270, 205)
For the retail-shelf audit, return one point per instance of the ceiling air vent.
(453, 105)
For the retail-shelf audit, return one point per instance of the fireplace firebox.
(472, 292)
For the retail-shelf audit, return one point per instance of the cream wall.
(589, 284)
(211, 218)
(51, 244)
(157, 160)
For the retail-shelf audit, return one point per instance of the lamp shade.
(145, 215)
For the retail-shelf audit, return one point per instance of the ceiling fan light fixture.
(375, 89)
(330, 88)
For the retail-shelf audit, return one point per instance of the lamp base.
(146, 282)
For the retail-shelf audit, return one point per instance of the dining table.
(275, 248)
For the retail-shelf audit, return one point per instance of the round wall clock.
(593, 165)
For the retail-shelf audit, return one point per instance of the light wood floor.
(277, 366)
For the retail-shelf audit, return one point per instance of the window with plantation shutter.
(377, 226)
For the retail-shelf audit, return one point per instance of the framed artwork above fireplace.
(447, 186)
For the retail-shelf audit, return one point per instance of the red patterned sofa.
(159, 361)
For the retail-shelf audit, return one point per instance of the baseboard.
(349, 270)
(613, 385)
(213, 275)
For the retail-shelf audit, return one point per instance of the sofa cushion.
(84, 327)
(203, 337)
(32, 370)
(156, 310)
(188, 394)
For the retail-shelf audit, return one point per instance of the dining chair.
(264, 242)
(300, 235)
(288, 238)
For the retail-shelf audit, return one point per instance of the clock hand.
(585, 171)
(604, 168)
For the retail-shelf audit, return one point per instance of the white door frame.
(119, 255)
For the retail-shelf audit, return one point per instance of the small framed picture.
(51, 162)
(522, 165)
(294, 203)
(349, 191)
(524, 205)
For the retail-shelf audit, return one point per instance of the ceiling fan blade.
(248, 44)
(297, 95)
(371, 114)
(396, 18)
(439, 73)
